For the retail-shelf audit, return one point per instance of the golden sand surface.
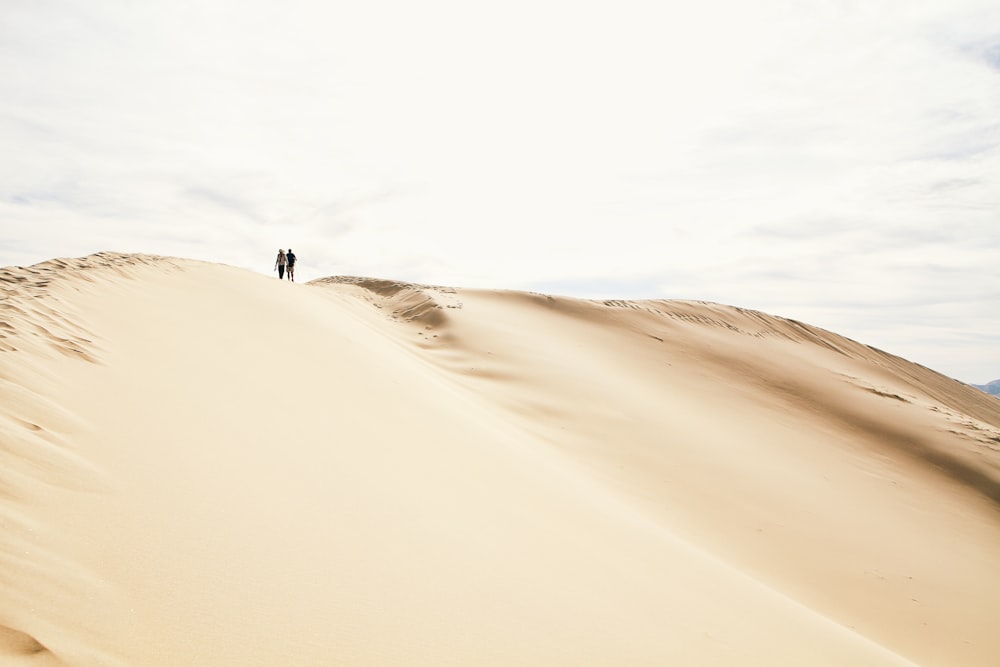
(206, 466)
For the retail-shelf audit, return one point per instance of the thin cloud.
(228, 202)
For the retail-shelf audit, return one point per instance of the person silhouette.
(280, 263)
(290, 257)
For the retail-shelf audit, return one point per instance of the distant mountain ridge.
(990, 387)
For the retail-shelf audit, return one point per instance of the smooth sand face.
(205, 466)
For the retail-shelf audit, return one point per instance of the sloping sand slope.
(204, 466)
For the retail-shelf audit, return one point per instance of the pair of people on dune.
(285, 263)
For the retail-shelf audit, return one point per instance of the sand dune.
(205, 466)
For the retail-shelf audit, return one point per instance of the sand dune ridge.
(203, 465)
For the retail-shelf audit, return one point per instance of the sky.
(831, 161)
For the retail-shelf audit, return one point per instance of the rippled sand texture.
(206, 466)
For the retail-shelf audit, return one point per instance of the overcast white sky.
(836, 162)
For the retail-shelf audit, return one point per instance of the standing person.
(291, 265)
(280, 263)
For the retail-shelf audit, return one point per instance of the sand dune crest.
(207, 466)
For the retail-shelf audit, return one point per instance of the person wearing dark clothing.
(281, 263)
(290, 257)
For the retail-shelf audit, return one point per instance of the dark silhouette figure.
(281, 263)
(290, 257)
